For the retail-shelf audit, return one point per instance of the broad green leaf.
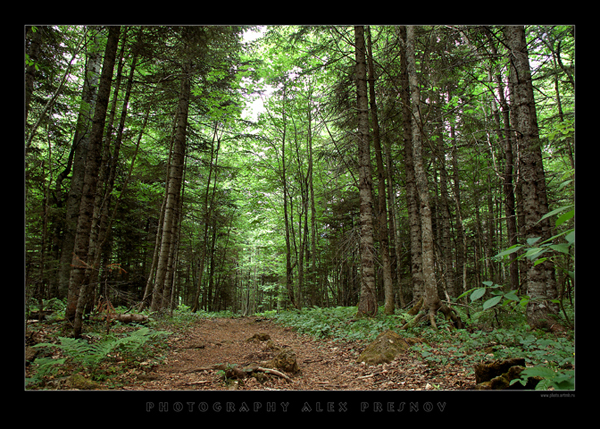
(538, 371)
(511, 295)
(532, 241)
(555, 211)
(561, 247)
(478, 294)
(565, 217)
(570, 237)
(491, 302)
(534, 252)
(511, 249)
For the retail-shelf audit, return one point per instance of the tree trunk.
(412, 197)
(541, 286)
(208, 207)
(367, 305)
(81, 264)
(80, 146)
(173, 188)
(505, 135)
(382, 216)
(431, 301)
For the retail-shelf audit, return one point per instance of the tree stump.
(497, 375)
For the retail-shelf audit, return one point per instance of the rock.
(385, 348)
(285, 360)
(79, 382)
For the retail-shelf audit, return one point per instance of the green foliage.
(339, 323)
(89, 355)
(507, 298)
(551, 356)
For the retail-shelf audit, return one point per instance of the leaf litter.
(199, 356)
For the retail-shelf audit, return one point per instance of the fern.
(91, 355)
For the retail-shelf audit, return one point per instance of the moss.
(79, 382)
(285, 360)
(385, 348)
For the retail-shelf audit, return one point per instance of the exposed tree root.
(422, 313)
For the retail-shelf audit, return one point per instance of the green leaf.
(555, 211)
(532, 241)
(538, 371)
(534, 252)
(565, 217)
(511, 249)
(511, 295)
(477, 294)
(561, 247)
(491, 302)
(570, 237)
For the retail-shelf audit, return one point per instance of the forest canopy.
(257, 168)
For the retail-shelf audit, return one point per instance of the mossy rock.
(285, 360)
(385, 348)
(259, 337)
(79, 382)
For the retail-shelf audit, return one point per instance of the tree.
(431, 302)
(367, 306)
(541, 286)
(82, 263)
(382, 214)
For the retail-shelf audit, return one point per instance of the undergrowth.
(490, 335)
(94, 354)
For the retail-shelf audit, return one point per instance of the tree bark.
(173, 188)
(81, 264)
(382, 216)
(431, 301)
(367, 305)
(541, 286)
(412, 197)
(79, 149)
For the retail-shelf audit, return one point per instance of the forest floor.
(197, 354)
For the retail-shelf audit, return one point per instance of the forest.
(424, 174)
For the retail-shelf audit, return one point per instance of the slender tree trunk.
(288, 251)
(412, 197)
(82, 266)
(505, 135)
(382, 216)
(431, 301)
(208, 207)
(79, 150)
(173, 187)
(367, 305)
(541, 286)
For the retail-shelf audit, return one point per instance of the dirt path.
(324, 365)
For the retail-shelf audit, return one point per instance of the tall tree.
(173, 189)
(431, 302)
(382, 215)
(541, 286)
(82, 265)
(412, 196)
(367, 305)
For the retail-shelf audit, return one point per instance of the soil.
(199, 355)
